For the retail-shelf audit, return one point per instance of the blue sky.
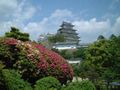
(90, 17)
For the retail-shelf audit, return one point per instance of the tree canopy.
(56, 38)
(102, 58)
(15, 33)
(100, 37)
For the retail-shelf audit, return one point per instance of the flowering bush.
(34, 61)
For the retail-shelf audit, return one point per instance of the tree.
(15, 33)
(102, 58)
(83, 85)
(112, 36)
(67, 54)
(79, 53)
(115, 51)
(100, 37)
(56, 38)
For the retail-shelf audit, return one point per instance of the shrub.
(83, 85)
(5, 53)
(33, 61)
(15, 33)
(47, 83)
(11, 80)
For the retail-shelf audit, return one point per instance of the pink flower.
(11, 41)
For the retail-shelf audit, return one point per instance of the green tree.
(67, 54)
(15, 33)
(79, 53)
(113, 36)
(115, 51)
(102, 58)
(100, 37)
(76, 69)
(83, 85)
(56, 38)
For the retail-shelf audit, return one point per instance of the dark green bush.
(83, 85)
(5, 54)
(11, 80)
(47, 83)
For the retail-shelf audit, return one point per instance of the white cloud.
(18, 9)
(24, 12)
(15, 13)
(116, 27)
(20, 12)
(58, 16)
(48, 24)
(91, 25)
(88, 30)
(34, 29)
(61, 13)
(7, 6)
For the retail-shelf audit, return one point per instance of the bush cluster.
(83, 85)
(33, 61)
(48, 83)
(11, 80)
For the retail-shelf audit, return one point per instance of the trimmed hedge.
(83, 85)
(11, 80)
(47, 83)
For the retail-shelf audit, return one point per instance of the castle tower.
(69, 33)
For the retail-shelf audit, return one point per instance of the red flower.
(43, 59)
(11, 41)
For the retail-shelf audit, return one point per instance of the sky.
(90, 17)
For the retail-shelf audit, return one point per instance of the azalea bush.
(33, 61)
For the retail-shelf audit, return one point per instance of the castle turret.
(69, 33)
(71, 37)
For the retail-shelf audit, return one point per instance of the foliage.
(11, 80)
(56, 38)
(33, 61)
(47, 83)
(55, 65)
(55, 50)
(83, 85)
(76, 69)
(67, 54)
(7, 53)
(46, 43)
(100, 37)
(79, 53)
(15, 33)
(112, 36)
(102, 58)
